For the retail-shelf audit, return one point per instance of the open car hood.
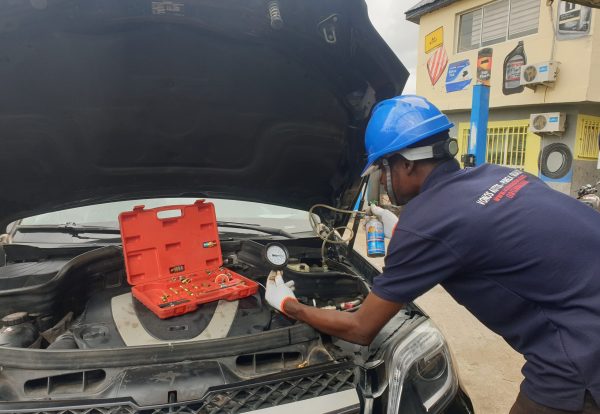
(109, 100)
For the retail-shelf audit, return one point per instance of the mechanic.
(521, 257)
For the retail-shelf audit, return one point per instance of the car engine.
(84, 301)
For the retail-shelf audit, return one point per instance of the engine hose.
(320, 228)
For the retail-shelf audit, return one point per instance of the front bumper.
(329, 387)
(344, 402)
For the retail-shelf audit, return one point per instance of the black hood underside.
(108, 100)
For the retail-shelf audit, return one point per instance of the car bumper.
(344, 402)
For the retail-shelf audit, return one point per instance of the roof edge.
(426, 6)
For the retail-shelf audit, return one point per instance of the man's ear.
(403, 165)
(409, 166)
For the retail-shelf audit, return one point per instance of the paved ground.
(489, 369)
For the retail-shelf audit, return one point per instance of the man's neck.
(424, 170)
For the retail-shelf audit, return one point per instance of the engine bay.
(85, 302)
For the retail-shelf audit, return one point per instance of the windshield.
(267, 215)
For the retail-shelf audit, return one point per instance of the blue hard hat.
(400, 122)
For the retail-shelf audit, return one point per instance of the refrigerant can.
(375, 238)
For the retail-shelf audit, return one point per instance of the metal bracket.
(468, 160)
(327, 28)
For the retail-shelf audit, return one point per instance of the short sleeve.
(414, 264)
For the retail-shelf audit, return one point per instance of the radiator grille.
(240, 399)
(270, 395)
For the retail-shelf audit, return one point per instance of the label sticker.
(166, 7)
(177, 269)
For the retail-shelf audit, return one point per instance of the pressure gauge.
(277, 255)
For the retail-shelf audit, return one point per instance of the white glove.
(388, 219)
(278, 291)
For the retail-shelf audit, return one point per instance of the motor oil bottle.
(375, 237)
(512, 70)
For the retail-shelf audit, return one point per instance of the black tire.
(564, 169)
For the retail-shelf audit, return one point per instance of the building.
(524, 41)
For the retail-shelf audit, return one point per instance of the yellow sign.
(434, 39)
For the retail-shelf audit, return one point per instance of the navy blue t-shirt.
(523, 258)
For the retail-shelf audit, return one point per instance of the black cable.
(565, 167)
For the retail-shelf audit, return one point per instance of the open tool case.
(173, 259)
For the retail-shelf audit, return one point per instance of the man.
(524, 259)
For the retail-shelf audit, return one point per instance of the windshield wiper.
(255, 227)
(69, 228)
(75, 229)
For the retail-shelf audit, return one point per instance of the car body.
(258, 106)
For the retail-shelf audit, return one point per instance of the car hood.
(121, 99)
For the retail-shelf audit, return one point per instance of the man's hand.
(277, 291)
(388, 219)
(358, 327)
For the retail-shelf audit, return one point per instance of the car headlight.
(421, 368)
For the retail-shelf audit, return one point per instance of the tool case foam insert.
(173, 259)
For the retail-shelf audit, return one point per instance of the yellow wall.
(579, 59)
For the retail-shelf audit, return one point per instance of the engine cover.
(117, 321)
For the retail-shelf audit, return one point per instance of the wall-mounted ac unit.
(547, 123)
(544, 73)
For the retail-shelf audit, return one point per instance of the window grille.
(507, 144)
(588, 129)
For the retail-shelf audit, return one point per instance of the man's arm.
(359, 327)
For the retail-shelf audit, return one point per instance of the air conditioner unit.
(544, 73)
(547, 123)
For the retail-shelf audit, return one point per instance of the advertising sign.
(484, 66)
(459, 76)
(573, 20)
(434, 39)
(511, 82)
(436, 64)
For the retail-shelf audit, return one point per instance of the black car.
(258, 106)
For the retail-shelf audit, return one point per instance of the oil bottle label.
(513, 72)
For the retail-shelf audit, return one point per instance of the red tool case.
(173, 259)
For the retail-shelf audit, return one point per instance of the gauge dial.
(277, 255)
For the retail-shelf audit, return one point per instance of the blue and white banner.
(459, 76)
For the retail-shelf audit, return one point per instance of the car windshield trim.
(76, 230)
(256, 227)
(70, 228)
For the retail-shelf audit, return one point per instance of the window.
(588, 129)
(509, 143)
(497, 22)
